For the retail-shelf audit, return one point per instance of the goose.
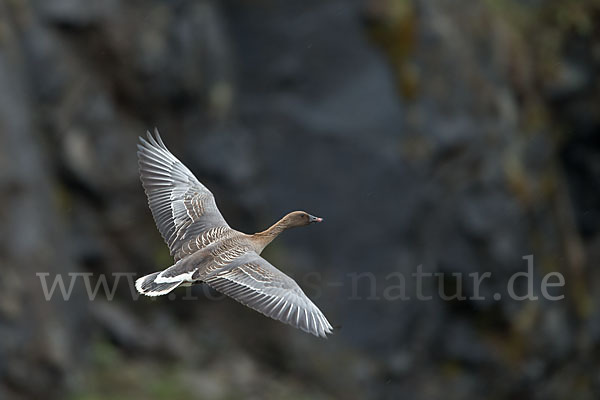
(207, 250)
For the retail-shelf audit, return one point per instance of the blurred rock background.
(460, 136)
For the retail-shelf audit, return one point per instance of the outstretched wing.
(182, 207)
(254, 282)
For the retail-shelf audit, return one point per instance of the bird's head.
(300, 218)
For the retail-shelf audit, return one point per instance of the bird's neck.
(262, 239)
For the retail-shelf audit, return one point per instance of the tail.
(146, 285)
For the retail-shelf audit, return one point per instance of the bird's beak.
(313, 219)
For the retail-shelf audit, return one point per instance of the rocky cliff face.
(434, 137)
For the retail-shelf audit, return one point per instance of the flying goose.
(205, 249)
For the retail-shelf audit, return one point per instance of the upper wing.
(254, 282)
(182, 207)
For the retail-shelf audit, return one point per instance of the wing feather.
(182, 207)
(254, 282)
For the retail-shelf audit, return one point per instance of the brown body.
(217, 247)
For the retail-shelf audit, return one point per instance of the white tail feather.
(148, 286)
